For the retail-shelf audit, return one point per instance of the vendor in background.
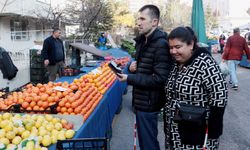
(53, 54)
(222, 39)
(102, 40)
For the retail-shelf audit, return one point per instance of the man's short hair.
(56, 29)
(154, 11)
(236, 30)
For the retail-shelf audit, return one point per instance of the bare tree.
(5, 3)
(173, 9)
(49, 16)
(91, 15)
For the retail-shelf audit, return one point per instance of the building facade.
(19, 30)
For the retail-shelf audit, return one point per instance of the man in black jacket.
(53, 54)
(148, 75)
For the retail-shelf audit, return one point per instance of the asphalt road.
(236, 133)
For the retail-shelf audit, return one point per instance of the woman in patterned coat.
(195, 79)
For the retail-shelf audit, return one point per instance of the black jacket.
(153, 66)
(48, 51)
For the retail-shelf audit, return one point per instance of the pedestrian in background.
(222, 42)
(53, 54)
(234, 49)
(148, 75)
(195, 81)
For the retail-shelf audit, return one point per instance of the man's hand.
(223, 60)
(132, 67)
(122, 77)
(46, 62)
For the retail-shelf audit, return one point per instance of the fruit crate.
(83, 144)
(17, 108)
(4, 92)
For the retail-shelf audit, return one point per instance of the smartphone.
(114, 67)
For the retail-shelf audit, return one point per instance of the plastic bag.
(224, 68)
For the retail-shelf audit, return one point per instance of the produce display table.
(244, 62)
(99, 122)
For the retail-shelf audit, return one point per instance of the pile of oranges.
(80, 97)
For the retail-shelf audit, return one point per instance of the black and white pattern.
(199, 83)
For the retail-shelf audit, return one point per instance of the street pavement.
(236, 133)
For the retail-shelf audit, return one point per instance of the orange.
(68, 105)
(61, 103)
(40, 103)
(45, 105)
(32, 104)
(25, 105)
(36, 108)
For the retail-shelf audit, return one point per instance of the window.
(18, 30)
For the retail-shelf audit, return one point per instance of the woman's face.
(180, 50)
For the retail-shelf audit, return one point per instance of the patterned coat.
(199, 82)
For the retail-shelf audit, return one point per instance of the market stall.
(94, 94)
(244, 62)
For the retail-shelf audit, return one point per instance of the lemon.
(5, 141)
(54, 132)
(10, 135)
(8, 128)
(20, 130)
(38, 124)
(2, 133)
(16, 140)
(64, 121)
(46, 140)
(49, 127)
(55, 120)
(53, 139)
(42, 132)
(4, 123)
(61, 136)
(6, 116)
(17, 116)
(28, 126)
(48, 117)
(11, 147)
(69, 134)
(25, 134)
(30, 145)
(58, 126)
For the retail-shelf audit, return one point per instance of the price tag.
(59, 88)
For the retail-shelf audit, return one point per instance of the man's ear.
(155, 22)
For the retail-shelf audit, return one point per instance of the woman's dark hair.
(185, 34)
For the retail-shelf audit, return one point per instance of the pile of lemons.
(16, 128)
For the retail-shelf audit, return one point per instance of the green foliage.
(175, 14)
(92, 16)
(121, 14)
(210, 19)
(129, 47)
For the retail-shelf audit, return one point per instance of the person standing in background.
(222, 42)
(235, 47)
(148, 75)
(53, 54)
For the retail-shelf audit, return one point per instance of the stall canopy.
(198, 21)
(90, 49)
(245, 26)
